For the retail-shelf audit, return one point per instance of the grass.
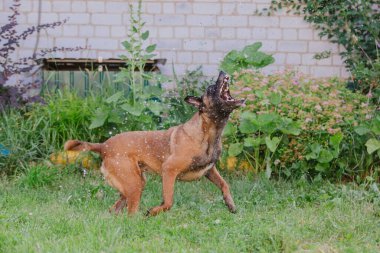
(61, 211)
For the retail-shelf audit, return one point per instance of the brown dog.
(185, 152)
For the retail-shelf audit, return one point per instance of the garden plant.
(302, 157)
(18, 81)
(297, 126)
(354, 25)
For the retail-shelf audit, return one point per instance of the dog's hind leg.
(214, 176)
(126, 176)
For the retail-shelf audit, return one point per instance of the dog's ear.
(194, 101)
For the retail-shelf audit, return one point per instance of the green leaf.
(275, 98)
(155, 107)
(335, 140)
(248, 142)
(260, 60)
(115, 97)
(229, 130)
(247, 127)
(153, 91)
(272, 144)
(250, 49)
(259, 93)
(266, 122)
(234, 55)
(361, 130)
(269, 129)
(248, 115)
(288, 126)
(325, 156)
(265, 119)
(376, 126)
(149, 49)
(100, 117)
(252, 142)
(145, 35)
(230, 63)
(315, 150)
(372, 145)
(235, 149)
(114, 117)
(127, 45)
(322, 167)
(135, 110)
(148, 56)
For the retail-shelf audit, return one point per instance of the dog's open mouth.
(225, 90)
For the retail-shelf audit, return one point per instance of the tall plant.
(137, 54)
(353, 24)
(142, 98)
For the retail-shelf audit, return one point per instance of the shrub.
(355, 25)
(15, 92)
(31, 134)
(22, 138)
(294, 126)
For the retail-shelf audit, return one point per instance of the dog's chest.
(201, 165)
(195, 174)
(210, 155)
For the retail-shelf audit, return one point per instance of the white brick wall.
(187, 33)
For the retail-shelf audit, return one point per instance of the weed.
(38, 176)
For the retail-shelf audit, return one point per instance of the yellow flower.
(74, 157)
(231, 162)
(244, 165)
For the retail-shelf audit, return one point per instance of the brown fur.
(185, 152)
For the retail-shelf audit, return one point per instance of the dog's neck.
(206, 127)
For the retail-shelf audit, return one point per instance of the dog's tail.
(83, 146)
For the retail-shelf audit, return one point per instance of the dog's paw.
(232, 209)
(231, 206)
(153, 211)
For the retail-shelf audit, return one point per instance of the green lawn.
(64, 212)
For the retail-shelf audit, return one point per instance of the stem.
(246, 154)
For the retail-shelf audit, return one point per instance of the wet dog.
(186, 152)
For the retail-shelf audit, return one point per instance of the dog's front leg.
(169, 175)
(214, 176)
(119, 205)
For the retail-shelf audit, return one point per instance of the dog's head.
(217, 101)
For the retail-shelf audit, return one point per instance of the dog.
(186, 152)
